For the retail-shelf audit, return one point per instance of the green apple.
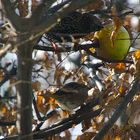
(116, 49)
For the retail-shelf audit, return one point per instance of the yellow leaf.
(41, 107)
(122, 89)
(53, 103)
(137, 54)
(4, 110)
(109, 78)
(117, 138)
(92, 50)
(120, 66)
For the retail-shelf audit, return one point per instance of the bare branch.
(133, 91)
(40, 10)
(81, 47)
(42, 119)
(52, 20)
(13, 18)
(67, 125)
(4, 50)
(2, 123)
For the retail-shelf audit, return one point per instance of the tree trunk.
(24, 92)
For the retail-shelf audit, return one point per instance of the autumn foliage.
(63, 54)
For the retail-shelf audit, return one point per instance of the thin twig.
(81, 47)
(36, 109)
(3, 123)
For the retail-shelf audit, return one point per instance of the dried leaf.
(117, 138)
(98, 4)
(137, 54)
(4, 110)
(107, 137)
(12, 130)
(86, 124)
(86, 136)
(67, 135)
(1, 75)
(41, 107)
(58, 75)
(117, 23)
(120, 66)
(92, 50)
(67, 76)
(36, 85)
(122, 89)
(23, 8)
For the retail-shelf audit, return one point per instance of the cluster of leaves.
(51, 71)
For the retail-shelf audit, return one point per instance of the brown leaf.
(41, 107)
(58, 75)
(86, 136)
(107, 137)
(96, 5)
(86, 124)
(23, 8)
(36, 85)
(1, 75)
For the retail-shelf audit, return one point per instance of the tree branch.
(51, 20)
(85, 109)
(83, 113)
(81, 47)
(41, 10)
(77, 47)
(123, 105)
(13, 18)
(67, 125)
(2, 123)
(63, 12)
(4, 50)
(36, 109)
(49, 115)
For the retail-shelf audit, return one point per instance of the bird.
(70, 96)
(73, 26)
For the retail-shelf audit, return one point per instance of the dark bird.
(70, 96)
